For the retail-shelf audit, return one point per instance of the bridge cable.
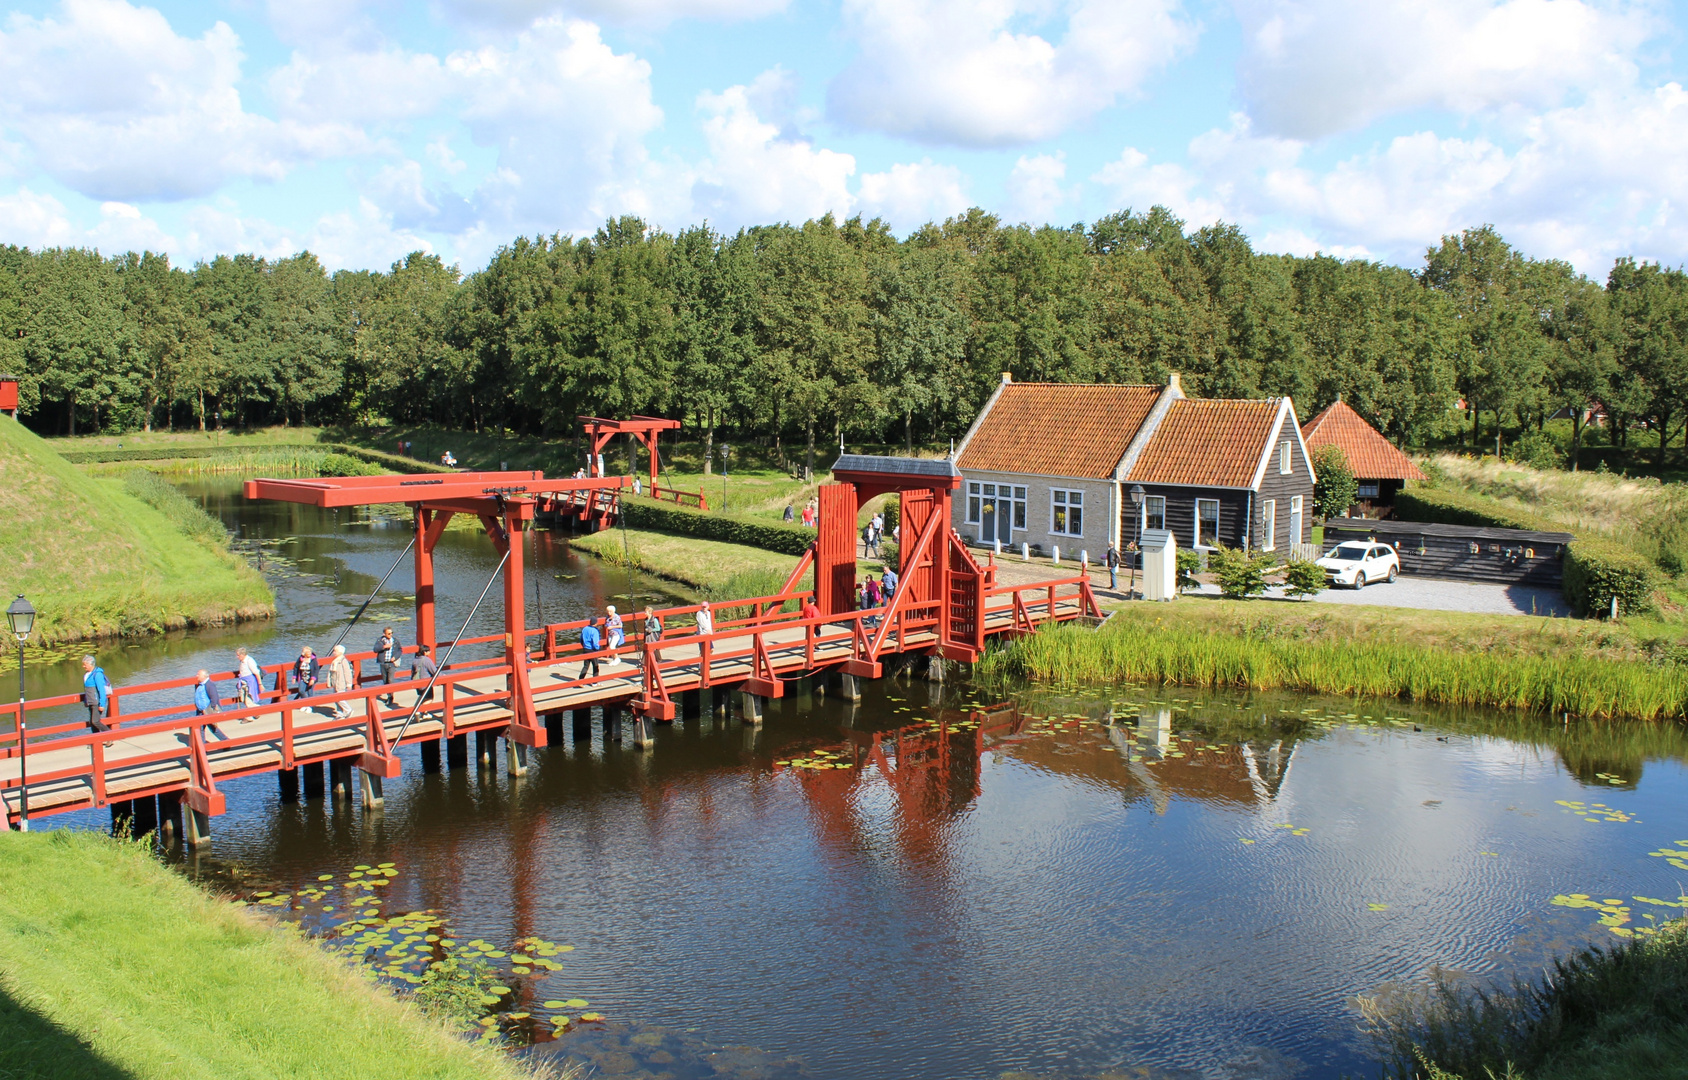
(371, 598)
(440, 666)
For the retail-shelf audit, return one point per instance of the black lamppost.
(725, 451)
(1136, 494)
(21, 617)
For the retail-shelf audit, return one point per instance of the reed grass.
(1609, 1012)
(1133, 650)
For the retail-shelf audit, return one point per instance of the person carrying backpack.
(96, 694)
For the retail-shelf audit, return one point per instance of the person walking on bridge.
(871, 598)
(387, 653)
(248, 679)
(888, 583)
(423, 668)
(590, 642)
(613, 637)
(207, 698)
(96, 694)
(306, 671)
(340, 680)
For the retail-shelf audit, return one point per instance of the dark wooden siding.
(1284, 486)
(1181, 513)
(1444, 551)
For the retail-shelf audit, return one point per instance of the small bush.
(1304, 579)
(644, 513)
(1189, 565)
(345, 465)
(1241, 574)
(1538, 450)
(1336, 488)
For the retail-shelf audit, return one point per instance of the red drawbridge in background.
(946, 606)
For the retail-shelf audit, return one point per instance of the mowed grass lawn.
(97, 561)
(718, 571)
(114, 968)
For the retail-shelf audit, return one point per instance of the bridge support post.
(935, 669)
(515, 758)
(430, 756)
(197, 823)
(582, 720)
(340, 778)
(553, 728)
(849, 688)
(691, 704)
(457, 751)
(750, 708)
(312, 775)
(122, 816)
(805, 693)
(288, 781)
(170, 813)
(486, 743)
(372, 795)
(612, 723)
(642, 735)
(145, 815)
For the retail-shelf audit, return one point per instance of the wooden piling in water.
(287, 780)
(312, 775)
(457, 751)
(430, 755)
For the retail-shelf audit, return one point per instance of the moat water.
(1137, 881)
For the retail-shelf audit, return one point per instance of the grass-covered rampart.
(112, 967)
(1534, 665)
(112, 556)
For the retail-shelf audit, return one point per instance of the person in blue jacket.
(306, 671)
(96, 693)
(207, 698)
(591, 640)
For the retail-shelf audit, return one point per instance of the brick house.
(1054, 464)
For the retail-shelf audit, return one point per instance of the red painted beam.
(425, 487)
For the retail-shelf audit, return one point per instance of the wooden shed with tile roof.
(1054, 465)
(1378, 466)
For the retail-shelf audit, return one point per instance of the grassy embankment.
(103, 557)
(1509, 662)
(112, 967)
(1620, 1012)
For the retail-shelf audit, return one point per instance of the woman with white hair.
(340, 680)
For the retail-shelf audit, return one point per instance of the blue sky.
(366, 129)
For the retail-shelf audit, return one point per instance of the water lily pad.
(555, 1004)
(576, 1003)
(591, 1016)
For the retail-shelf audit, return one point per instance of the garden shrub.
(1241, 574)
(1304, 579)
(645, 513)
(1189, 565)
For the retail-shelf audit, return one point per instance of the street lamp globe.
(21, 617)
(1136, 494)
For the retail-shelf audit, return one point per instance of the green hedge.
(643, 513)
(166, 452)
(1596, 569)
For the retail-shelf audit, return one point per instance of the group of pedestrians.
(609, 634)
(810, 516)
(875, 592)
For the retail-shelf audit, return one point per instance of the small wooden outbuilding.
(1380, 469)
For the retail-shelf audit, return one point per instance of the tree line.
(802, 334)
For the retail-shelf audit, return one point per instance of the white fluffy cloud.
(111, 102)
(908, 195)
(962, 72)
(1034, 188)
(756, 174)
(1584, 183)
(1314, 67)
(638, 12)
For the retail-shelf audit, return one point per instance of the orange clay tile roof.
(1208, 443)
(1058, 429)
(1370, 455)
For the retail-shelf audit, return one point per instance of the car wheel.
(1394, 572)
(1360, 580)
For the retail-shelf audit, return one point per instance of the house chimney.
(1007, 377)
(1173, 382)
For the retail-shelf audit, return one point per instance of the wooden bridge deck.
(160, 751)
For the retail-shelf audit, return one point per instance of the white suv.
(1356, 563)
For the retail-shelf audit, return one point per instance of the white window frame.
(1017, 512)
(1286, 460)
(1295, 518)
(1269, 525)
(1363, 490)
(1147, 501)
(973, 490)
(1196, 524)
(1068, 499)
